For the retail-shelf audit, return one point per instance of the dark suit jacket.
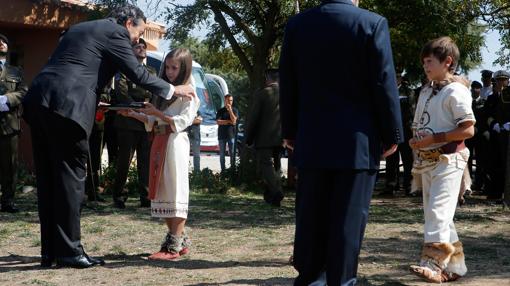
(263, 125)
(87, 57)
(338, 90)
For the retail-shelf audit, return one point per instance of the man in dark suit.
(12, 90)
(263, 130)
(60, 108)
(338, 93)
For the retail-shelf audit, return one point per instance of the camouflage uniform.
(11, 85)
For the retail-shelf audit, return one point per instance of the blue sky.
(488, 54)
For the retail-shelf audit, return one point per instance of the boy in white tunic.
(169, 188)
(443, 120)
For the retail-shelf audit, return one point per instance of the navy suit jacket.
(338, 90)
(85, 60)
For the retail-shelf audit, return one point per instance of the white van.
(211, 96)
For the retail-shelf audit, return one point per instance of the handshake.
(4, 107)
(498, 128)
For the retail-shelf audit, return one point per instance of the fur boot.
(457, 264)
(434, 259)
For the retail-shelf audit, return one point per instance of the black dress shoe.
(119, 204)
(46, 261)
(9, 208)
(95, 261)
(80, 261)
(96, 198)
(273, 199)
(145, 203)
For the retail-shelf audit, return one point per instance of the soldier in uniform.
(12, 90)
(131, 135)
(498, 119)
(407, 106)
(478, 144)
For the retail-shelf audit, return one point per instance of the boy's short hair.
(441, 48)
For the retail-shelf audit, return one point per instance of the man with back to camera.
(346, 90)
(60, 108)
(263, 130)
(12, 90)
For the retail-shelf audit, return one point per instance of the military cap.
(501, 74)
(4, 38)
(141, 41)
(476, 84)
(486, 73)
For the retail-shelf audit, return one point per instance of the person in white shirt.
(443, 120)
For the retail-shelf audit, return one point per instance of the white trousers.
(441, 186)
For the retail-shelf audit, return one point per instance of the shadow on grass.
(27, 263)
(269, 281)
(121, 260)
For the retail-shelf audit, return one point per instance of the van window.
(207, 108)
(216, 94)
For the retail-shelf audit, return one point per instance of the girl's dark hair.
(441, 48)
(126, 12)
(183, 56)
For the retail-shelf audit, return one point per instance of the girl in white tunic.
(443, 120)
(170, 193)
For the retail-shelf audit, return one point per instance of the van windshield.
(207, 109)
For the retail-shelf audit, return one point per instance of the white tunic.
(172, 195)
(442, 112)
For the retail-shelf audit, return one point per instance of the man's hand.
(506, 126)
(3, 104)
(184, 91)
(126, 112)
(289, 144)
(496, 128)
(150, 109)
(389, 151)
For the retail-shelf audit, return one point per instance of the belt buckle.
(430, 155)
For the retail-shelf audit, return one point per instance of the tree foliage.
(414, 22)
(251, 29)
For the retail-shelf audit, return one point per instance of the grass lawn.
(239, 240)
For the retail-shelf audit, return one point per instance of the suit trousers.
(130, 141)
(405, 153)
(331, 215)
(498, 164)
(94, 162)
(266, 163)
(60, 148)
(8, 167)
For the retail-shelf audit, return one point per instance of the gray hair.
(123, 13)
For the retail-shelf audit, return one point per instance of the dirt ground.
(238, 240)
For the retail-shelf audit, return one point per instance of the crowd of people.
(443, 132)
